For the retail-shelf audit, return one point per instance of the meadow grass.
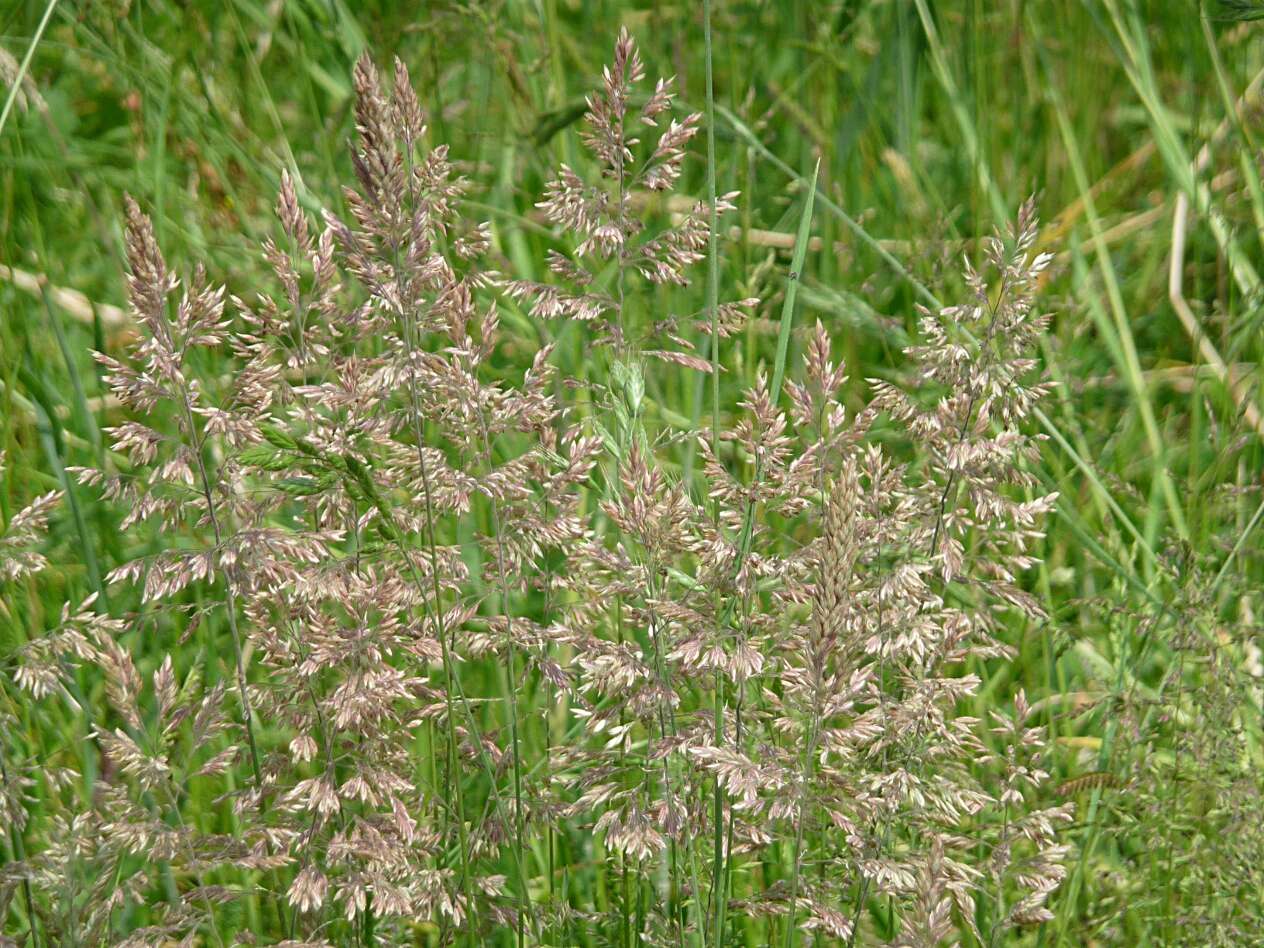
(873, 145)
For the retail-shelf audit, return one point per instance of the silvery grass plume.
(318, 499)
(853, 753)
(750, 694)
(915, 565)
(851, 648)
(162, 735)
(603, 222)
(19, 556)
(367, 605)
(19, 559)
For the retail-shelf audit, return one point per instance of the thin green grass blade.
(792, 287)
(1247, 148)
(1237, 546)
(719, 888)
(1137, 66)
(939, 63)
(26, 64)
(1122, 324)
(743, 131)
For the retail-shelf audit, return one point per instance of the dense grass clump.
(496, 552)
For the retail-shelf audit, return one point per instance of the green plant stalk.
(451, 677)
(779, 367)
(174, 804)
(511, 671)
(718, 886)
(360, 477)
(453, 762)
(230, 604)
(54, 437)
(740, 129)
(748, 525)
(792, 287)
(1237, 546)
(26, 64)
(809, 757)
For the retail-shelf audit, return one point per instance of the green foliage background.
(932, 122)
